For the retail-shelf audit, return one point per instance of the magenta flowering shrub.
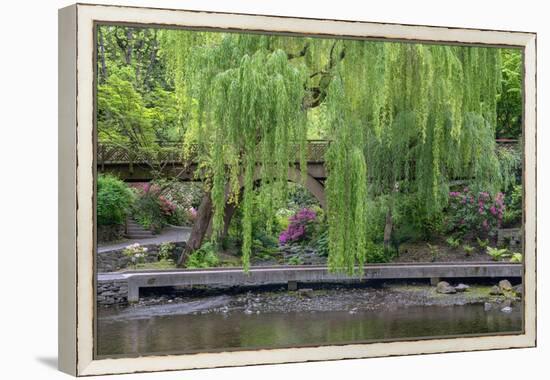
(475, 212)
(300, 226)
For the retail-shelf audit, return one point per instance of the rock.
(444, 287)
(495, 291)
(462, 287)
(487, 306)
(518, 290)
(505, 285)
(506, 303)
(506, 309)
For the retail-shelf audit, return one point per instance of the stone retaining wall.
(510, 237)
(115, 260)
(112, 292)
(115, 290)
(113, 232)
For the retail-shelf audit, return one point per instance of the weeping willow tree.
(401, 117)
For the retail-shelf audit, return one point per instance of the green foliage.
(377, 253)
(205, 257)
(468, 249)
(114, 200)
(510, 102)
(152, 209)
(516, 257)
(346, 184)
(434, 251)
(295, 260)
(510, 166)
(411, 222)
(453, 242)
(483, 243)
(148, 213)
(166, 251)
(497, 254)
(514, 208)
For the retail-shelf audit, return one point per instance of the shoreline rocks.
(443, 287)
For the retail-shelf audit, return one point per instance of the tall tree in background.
(137, 106)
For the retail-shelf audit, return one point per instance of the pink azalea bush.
(299, 227)
(475, 212)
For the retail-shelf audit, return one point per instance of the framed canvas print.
(245, 189)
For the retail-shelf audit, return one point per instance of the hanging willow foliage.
(399, 115)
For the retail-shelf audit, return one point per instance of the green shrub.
(204, 257)
(321, 243)
(295, 260)
(497, 254)
(377, 253)
(483, 243)
(114, 200)
(434, 251)
(514, 208)
(412, 221)
(468, 249)
(166, 251)
(453, 242)
(516, 257)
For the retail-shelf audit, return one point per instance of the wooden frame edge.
(67, 274)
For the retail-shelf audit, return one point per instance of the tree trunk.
(200, 227)
(388, 228)
(128, 53)
(102, 57)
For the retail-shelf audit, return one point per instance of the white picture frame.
(77, 170)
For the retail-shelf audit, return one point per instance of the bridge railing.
(173, 152)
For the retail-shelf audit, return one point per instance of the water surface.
(174, 328)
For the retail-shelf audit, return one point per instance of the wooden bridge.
(292, 276)
(139, 164)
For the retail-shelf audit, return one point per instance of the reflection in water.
(160, 330)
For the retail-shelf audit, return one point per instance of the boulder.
(444, 287)
(506, 309)
(495, 291)
(462, 287)
(518, 290)
(487, 306)
(505, 285)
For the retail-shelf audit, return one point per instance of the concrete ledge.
(305, 274)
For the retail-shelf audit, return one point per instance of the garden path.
(169, 234)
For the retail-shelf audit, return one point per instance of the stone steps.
(136, 231)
